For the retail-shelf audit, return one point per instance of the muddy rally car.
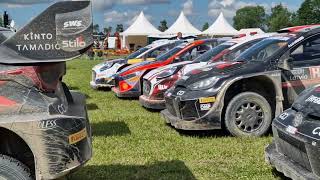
(158, 81)
(103, 73)
(128, 82)
(44, 128)
(244, 94)
(295, 147)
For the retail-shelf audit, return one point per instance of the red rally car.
(128, 82)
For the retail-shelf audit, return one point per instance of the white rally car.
(103, 73)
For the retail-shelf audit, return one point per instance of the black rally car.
(295, 148)
(44, 128)
(244, 94)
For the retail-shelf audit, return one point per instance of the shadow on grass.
(278, 174)
(110, 129)
(92, 107)
(161, 170)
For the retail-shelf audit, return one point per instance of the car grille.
(146, 87)
(170, 106)
(94, 74)
(293, 149)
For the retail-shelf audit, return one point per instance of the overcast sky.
(112, 12)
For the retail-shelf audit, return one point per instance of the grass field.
(131, 142)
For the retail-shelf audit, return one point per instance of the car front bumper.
(152, 104)
(127, 94)
(285, 165)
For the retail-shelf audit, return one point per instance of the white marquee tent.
(221, 27)
(137, 34)
(182, 25)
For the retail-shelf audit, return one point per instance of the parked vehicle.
(295, 149)
(103, 73)
(158, 81)
(129, 80)
(245, 93)
(44, 128)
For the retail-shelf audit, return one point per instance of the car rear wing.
(62, 32)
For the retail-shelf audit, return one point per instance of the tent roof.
(221, 27)
(141, 27)
(182, 25)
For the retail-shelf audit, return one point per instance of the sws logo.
(72, 24)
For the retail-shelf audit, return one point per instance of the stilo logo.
(72, 24)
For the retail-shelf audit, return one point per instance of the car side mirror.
(286, 64)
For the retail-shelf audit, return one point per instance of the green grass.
(130, 142)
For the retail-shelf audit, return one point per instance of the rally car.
(129, 80)
(158, 81)
(44, 128)
(103, 73)
(295, 147)
(244, 94)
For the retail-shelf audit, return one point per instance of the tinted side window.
(307, 53)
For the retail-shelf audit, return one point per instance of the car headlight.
(167, 73)
(204, 84)
(106, 66)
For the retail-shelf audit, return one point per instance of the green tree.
(119, 28)
(163, 26)
(250, 17)
(309, 12)
(280, 18)
(205, 26)
(107, 30)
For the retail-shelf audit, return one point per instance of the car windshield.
(170, 53)
(263, 50)
(137, 53)
(213, 52)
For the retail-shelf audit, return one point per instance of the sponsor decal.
(283, 116)
(162, 87)
(74, 138)
(72, 24)
(61, 109)
(180, 93)
(37, 47)
(313, 99)
(296, 41)
(297, 119)
(207, 100)
(47, 124)
(205, 107)
(314, 72)
(77, 43)
(316, 131)
(169, 94)
(291, 130)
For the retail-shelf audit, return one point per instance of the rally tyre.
(12, 169)
(248, 114)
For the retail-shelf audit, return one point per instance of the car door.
(305, 61)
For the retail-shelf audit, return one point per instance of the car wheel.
(248, 114)
(12, 169)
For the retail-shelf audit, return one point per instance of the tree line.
(256, 17)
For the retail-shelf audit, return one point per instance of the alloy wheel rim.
(249, 117)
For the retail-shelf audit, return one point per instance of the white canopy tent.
(138, 32)
(182, 25)
(221, 27)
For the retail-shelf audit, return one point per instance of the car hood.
(157, 71)
(133, 66)
(215, 69)
(308, 103)
(115, 61)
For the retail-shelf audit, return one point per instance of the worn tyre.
(248, 114)
(12, 169)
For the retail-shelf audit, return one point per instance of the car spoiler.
(62, 32)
